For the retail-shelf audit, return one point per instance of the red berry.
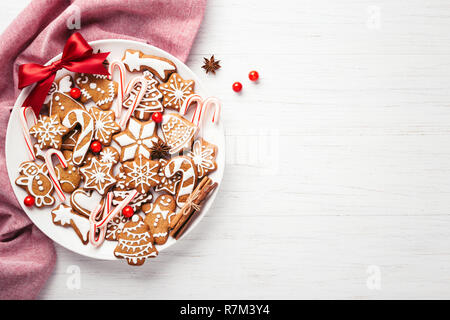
(96, 146)
(75, 93)
(237, 86)
(29, 201)
(253, 75)
(127, 212)
(157, 117)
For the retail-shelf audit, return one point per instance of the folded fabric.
(27, 256)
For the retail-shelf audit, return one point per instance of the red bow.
(77, 57)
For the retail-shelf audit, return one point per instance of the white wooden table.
(337, 182)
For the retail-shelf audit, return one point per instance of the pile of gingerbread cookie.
(132, 168)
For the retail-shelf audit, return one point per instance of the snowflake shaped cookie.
(141, 174)
(49, 132)
(97, 176)
(138, 138)
(105, 125)
(203, 155)
(175, 91)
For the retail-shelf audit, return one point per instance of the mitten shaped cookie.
(97, 88)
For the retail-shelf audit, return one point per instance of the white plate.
(16, 154)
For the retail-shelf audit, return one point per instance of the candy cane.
(108, 215)
(141, 93)
(26, 131)
(211, 101)
(51, 170)
(189, 179)
(87, 132)
(121, 67)
(188, 102)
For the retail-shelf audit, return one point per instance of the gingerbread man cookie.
(34, 179)
(175, 91)
(159, 215)
(49, 132)
(97, 88)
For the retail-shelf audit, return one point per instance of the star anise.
(211, 65)
(159, 150)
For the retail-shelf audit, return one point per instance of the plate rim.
(22, 96)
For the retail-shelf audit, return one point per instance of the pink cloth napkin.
(27, 256)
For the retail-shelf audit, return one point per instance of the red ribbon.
(77, 57)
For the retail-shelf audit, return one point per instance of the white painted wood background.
(338, 160)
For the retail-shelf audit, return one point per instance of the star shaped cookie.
(203, 154)
(98, 176)
(175, 91)
(105, 125)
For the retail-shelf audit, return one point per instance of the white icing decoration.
(87, 131)
(174, 166)
(134, 63)
(64, 215)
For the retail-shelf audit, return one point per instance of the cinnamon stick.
(200, 195)
(186, 225)
(184, 210)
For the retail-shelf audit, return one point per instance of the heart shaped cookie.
(84, 202)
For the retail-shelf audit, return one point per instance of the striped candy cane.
(25, 129)
(210, 102)
(189, 177)
(141, 93)
(188, 102)
(97, 229)
(51, 170)
(121, 67)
